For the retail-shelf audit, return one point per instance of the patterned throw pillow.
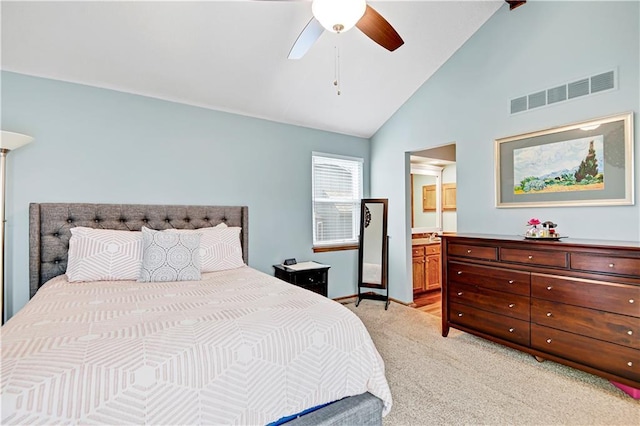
(220, 247)
(170, 256)
(104, 255)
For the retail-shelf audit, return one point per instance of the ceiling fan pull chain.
(336, 70)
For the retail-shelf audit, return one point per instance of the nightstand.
(310, 275)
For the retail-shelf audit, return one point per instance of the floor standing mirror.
(373, 259)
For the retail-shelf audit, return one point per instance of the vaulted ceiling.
(232, 55)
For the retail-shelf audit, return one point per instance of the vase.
(534, 231)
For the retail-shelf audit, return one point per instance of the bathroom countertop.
(423, 241)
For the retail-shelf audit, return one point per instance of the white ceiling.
(232, 55)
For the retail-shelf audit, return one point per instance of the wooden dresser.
(576, 302)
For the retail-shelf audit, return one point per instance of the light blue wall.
(95, 145)
(537, 46)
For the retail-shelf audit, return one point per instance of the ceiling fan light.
(338, 15)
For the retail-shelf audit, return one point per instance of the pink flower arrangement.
(533, 221)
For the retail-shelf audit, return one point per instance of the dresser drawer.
(311, 278)
(615, 359)
(500, 279)
(474, 252)
(606, 264)
(432, 249)
(620, 329)
(534, 257)
(498, 302)
(621, 299)
(418, 251)
(507, 328)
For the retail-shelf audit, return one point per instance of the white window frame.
(357, 195)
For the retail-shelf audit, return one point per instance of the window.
(336, 192)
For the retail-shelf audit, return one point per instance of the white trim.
(422, 168)
(340, 157)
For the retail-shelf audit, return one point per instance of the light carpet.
(463, 379)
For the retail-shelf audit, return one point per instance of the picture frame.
(589, 163)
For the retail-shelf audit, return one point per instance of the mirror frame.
(385, 242)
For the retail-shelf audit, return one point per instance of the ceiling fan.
(515, 3)
(339, 16)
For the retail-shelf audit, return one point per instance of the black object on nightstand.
(310, 275)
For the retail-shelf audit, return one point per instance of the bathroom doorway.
(433, 212)
(444, 208)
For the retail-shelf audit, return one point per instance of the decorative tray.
(556, 238)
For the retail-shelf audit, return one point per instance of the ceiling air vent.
(602, 82)
(570, 90)
(518, 104)
(557, 94)
(579, 88)
(537, 99)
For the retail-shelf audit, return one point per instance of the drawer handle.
(631, 300)
(510, 281)
(459, 293)
(460, 273)
(511, 330)
(469, 251)
(630, 364)
(630, 333)
(548, 314)
(511, 305)
(549, 287)
(548, 340)
(459, 314)
(530, 257)
(611, 265)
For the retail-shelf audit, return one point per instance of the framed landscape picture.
(582, 164)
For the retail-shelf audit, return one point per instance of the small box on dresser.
(576, 302)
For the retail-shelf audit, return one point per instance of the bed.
(231, 347)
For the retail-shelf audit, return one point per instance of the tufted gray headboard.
(50, 224)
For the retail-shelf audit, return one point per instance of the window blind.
(337, 191)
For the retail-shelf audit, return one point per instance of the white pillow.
(220, 247)
(170, 256)
(104, 255)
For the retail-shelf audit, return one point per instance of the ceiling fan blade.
(311, 32)
(374, 26)
(515, 3)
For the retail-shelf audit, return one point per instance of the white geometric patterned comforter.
(238, 347)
